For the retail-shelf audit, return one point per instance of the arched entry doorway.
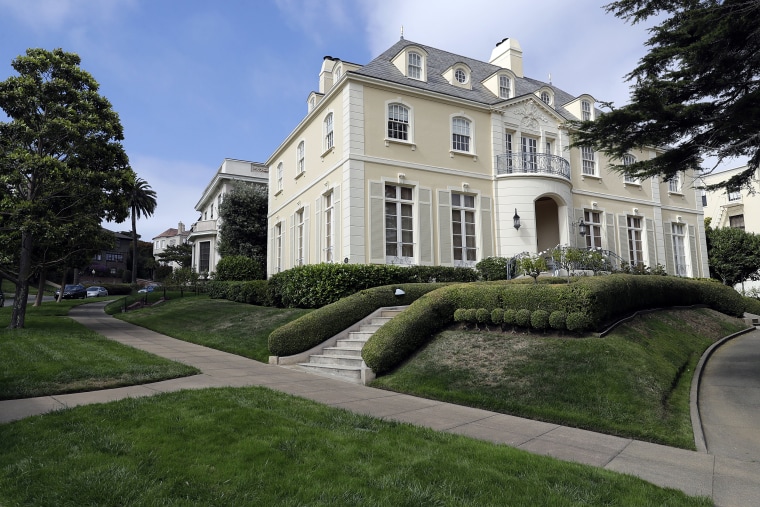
(547, 223)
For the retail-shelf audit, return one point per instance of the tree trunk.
(18, 317)
(40, 289)
(134, 246)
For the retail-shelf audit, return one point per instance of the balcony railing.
(532, 163)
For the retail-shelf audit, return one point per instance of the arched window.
(460, 134)
(505, 87)
(585, 110)
(414, 67)
(398, 122)
(546, 97)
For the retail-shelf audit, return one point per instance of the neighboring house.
(170, 237)
(113, 261)
(733, 207)
(426, 157)
(204, 233)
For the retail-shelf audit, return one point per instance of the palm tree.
(142, 203)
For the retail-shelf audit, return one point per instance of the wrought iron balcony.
(532, 163)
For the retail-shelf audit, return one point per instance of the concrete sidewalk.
(727, 480)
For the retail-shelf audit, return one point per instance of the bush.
(522, 317)
(497, 316)
(539, 319)
(482, 316)
(239, 268)
(578, 322)
(253, 292)
(471, 315)
(752, 305)
(493, 268)
(557, 319)
(510, 316)
(460, 315)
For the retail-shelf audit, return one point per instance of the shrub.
(497, 316)
(460, 315)
(437, 274)
(578, 321)
(482, 316)
(510, 316)
(240, 268)
(539, 319)
(471, 315)
(493, 268)
(557, 319)
(522, 317)
(752, 305)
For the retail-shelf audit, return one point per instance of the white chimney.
(508, 55)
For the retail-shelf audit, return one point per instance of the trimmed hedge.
(752, 305)
(314, 328)
(253, 292)
(239, 268)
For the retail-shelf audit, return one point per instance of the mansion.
(425, 157)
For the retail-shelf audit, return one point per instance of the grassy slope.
(232, 327)
(634, 382)
(253, 446)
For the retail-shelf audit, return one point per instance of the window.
(593, 221)
(635, 249)
(548, 148)
(463, 227)
(629, 159)
(328, 131)
(704, 198)
(204, 249)
(278, 247)
(529, 150)
(460, 129)
(508, 149)
(679, 251)
(734, 194)
(414, 68)
(337, 74)
(279, 177)
(585, 110)
(674, 185)
(546, 98)
(300, 237)
(398, 122)
(505, 87)
(300, 163)
(329, 226)
(399, 232)
(587, 158)
(461, 76)
(212, 211)
(736, 222)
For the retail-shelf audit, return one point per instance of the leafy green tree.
(244, 222)
(696, 90)
(62, 165)
(181, 254)
(142, 203)
(733, 254)
(532, 266)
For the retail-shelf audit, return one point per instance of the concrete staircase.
(344, 358)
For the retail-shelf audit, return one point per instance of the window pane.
(406, 194)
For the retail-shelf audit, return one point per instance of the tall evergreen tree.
(696, 92)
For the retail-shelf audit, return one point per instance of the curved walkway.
(731, 480)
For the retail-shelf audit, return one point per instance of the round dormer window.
(461, 76)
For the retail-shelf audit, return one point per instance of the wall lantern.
(516, 218)
(582, 228)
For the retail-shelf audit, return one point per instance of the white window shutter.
(338, 232)
(624, 246)
(486, 228)
(376, 223)
(610, 219)
(306, 234)
(426, 226)
(669, 252)
(651, 247)
(445, 240)
(580, 241)
(693, 252)
(319, 228)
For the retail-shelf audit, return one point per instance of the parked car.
(72, 292)
(145, 290)
(95, 291)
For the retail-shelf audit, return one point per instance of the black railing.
(532, 163)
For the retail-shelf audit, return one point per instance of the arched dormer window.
(546, 97)
(586, 110)
(505, 87)
(411, 62)
(414, 65)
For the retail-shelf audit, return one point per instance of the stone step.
(352, 341)
(379, 321)
(344, 372)
(342, 351)
(336, 360)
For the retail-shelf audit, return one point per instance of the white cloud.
(45, 15)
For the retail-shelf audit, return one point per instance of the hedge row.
(596, 301)
(314, 328)
(254, 292)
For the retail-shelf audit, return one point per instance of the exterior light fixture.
(582, 228)
(516, 218)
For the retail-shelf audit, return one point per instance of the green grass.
(252, 446)
(55, 355)
(635, 382)
(217, 323)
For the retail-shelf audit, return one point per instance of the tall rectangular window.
(300, 233)
(593, 221)
(328, 131)
(415, 66)
(585, 110)
(300, 156)
(279, 178)
(504, 87)
(529, 150)
(734, 194)
(674, 185)
(587, 159)
(398, 122)
(278, 247)
(463, 228)
(508, 150)
(399, 220)
(635, 247)
(329, 216)
(460, 134)
(204, 258)
(679, 248)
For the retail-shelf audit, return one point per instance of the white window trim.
(474, 210)
(584, 174)
(300, 159)
(414, 201)
(328, 252)
(679, 184)
(510, 83)
(589, 112)
(684, 246)
(325, 148)
(423, 62)
(452, 151)
(629, 159)
(279, 174)
(410, 131)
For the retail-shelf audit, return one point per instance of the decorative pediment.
(531, 115)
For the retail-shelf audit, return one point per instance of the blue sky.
(197, 81)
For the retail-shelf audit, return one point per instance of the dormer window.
(461, 76)
(505, 87)
(414, 68)
(546, 98)
(585, 110)
(337, 74)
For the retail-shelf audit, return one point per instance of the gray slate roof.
(438, 61)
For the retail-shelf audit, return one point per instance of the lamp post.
(93, 276)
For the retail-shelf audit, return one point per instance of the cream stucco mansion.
(426, 157)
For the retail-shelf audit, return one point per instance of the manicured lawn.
(252, 446)
(634, 382)
(217, 323)
(55, 355)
